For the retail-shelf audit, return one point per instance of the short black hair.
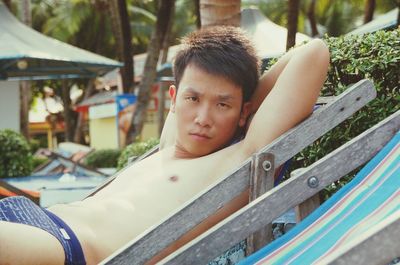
(221, 50)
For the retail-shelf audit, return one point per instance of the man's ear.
(244, 114)
(172, 93)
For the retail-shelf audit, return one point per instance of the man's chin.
(203, 152)
(199, 151)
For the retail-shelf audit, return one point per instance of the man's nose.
(203, 116)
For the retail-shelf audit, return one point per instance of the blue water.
(58, 188)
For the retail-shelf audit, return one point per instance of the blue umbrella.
(26, 54)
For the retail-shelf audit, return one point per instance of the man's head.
(216, 73)
(222, 51)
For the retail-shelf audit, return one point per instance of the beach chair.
(7, 190)
(59, 163)
(360, 224)
(368, 206)
(142, 248)
(68, 157)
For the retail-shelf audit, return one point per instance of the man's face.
(208, 110)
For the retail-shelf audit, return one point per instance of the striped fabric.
(371, 197)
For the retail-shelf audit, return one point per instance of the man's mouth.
(199, 136)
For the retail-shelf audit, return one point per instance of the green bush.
(34, 145)
(37, 161)
(103, 158)
(135, 150)
(15, 155)
(375, 56)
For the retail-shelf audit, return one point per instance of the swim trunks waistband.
(21, 210)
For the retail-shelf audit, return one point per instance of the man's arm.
(292, 87)
(268, 79)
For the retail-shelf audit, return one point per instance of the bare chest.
(162, 178)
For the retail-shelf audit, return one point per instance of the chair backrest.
(289, 144)
(292, 192)
(7, 190)
(363, 207)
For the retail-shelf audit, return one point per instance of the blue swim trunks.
(23, 211)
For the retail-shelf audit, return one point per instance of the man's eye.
(191, 99)
(223, 105)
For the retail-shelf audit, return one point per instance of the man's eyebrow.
(225, 97)
(192, 90)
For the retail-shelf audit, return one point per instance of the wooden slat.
(321, 121)
(307, 207)
(292, 192)
(19, 192)
(325, 118)
(261, 180)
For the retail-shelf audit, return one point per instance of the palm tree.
(164, 15)
(220, 12)
(293, 15)
(369, 10)
(312, 19)
(25, 86)
(69, 118)
(69, 22)
(398, 14)
(7, 3)
(122, 29)
(197, 13)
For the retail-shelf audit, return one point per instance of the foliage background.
(375, 56)
(15, 156)
(103, 158)
(135, 150)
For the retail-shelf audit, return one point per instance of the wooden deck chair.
(59, 163)
(360, 224)
(61, 159)
(7, 190)
(142, 248)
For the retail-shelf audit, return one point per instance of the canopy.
(385, 21)
(268, 38)
(26, 54)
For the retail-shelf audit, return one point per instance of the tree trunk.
(164, 58)
(122, 29)
(220, 12)
(78, 136)
(25, 97)
(8, 4)
(163, 87)
(68, 115)
(197, 13)
(398, 17)
(25, 86)
(369, 10)
(311, 18)
(293, 14)
(150, 69)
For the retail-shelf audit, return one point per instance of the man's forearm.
(268, 79)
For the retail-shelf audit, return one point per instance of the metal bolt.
(313, 182)
(266, 165)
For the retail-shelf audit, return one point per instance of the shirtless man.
(216, 73)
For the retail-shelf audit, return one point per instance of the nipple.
(173, 178)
